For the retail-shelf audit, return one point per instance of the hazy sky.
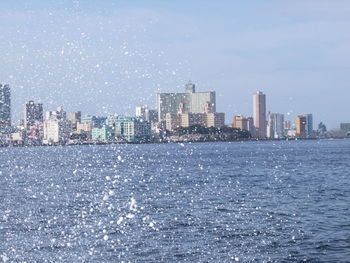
(109, 56)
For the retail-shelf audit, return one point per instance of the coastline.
(169, 141)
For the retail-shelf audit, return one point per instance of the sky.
(105, 57)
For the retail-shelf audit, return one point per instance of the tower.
(259, 110)
(5, 105)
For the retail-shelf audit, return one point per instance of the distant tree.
(225, 132)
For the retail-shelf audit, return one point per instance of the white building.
(194, 101)
(56, 127)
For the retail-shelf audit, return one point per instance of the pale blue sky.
(109, 56)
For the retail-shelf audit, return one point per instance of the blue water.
(204, 202)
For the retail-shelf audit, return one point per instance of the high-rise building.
(74, 118)
(142, 112)
(33, 113)
(5, 106)
(309, 125)
(146, 114)
(194, 101)
(259, 110)
(275, 126)
(57, 128)
(301, 126)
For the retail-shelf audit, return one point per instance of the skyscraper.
(33, 113)
(301, 126)
(259, 110)
(309, 125)
(275, 126)
(5, 105)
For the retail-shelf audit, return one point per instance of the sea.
(259, 201)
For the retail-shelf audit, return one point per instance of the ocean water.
(286, 201)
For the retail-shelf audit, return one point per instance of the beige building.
(85, 128)
(194, 102)
(174, 121)
(259, 110)
(215, 119)
(244, 123)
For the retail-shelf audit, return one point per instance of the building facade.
(345, 127)
(5, 106)
(33, 113)
(194, 101)
(259, 110)
(301, 126)
(96, 121)
(57, 128)
(275, 126)
(309, 125)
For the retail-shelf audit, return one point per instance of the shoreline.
(170, 142)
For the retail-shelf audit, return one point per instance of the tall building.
(309, 125)
(142, 111)
(301, 126)
(275, 126)
(5, 106)
(33, 113)
(74, 118)
(259, 110)
(56, 127)
(146, 114)
(194, 101)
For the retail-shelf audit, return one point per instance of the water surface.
(204, 202)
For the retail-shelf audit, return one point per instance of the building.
(194, 101)
(119, 128)
(136, 130)
(146, 114)
(18, 136)
(214, 119)
(345, 127)
(142, 112)
(97, 121)
(309, 125)
(287, 127)
(240, 122)
(74, 118)
(275, 126)
(259, 110)
(301, 126)
(5, 106)
(102, 134)
(33, 113)
(85, 129)
(57, 128)
(183, 118)
(51, 131)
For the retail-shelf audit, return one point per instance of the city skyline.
(110, 54)
(191, 102)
